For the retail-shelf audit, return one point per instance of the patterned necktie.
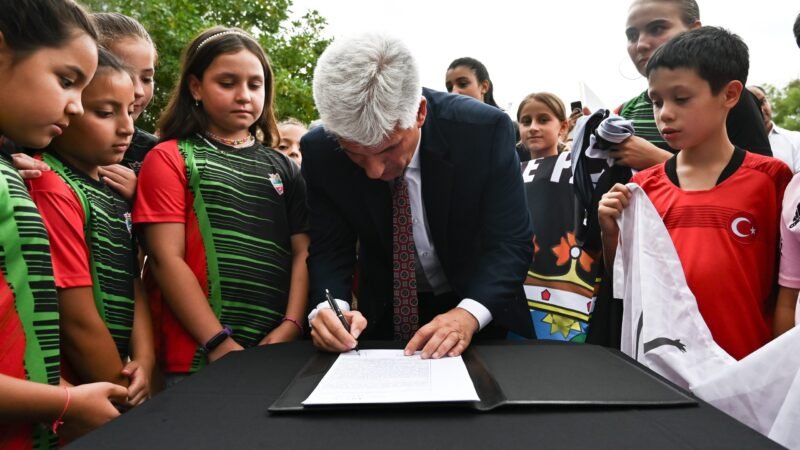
(406, 310)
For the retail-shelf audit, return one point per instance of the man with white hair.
(428, 184)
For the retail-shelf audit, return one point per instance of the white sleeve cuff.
(480, 312)
(343, 305)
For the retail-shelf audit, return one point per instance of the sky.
(553, 45)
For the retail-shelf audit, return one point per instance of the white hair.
(365, 86)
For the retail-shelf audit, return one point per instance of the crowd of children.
(48, 55)
(89, 328)
(220, 215)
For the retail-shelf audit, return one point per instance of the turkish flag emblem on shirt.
(742, 226)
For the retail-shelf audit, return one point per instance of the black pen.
(338, 311)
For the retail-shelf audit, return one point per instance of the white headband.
(220, 34)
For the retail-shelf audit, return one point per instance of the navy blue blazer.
(475, 204)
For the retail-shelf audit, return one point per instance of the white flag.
(662, 328)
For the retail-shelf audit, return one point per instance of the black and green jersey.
(242, 207)
(246, 232)
(29, 334)
(112, 255)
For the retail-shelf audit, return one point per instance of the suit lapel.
(437, 186)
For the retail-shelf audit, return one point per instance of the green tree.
(786, 105)
(293, 46)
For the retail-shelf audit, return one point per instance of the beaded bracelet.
(60, 421)
(295, 322)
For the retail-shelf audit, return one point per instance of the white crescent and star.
(735, 227)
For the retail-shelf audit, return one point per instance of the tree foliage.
(786, 105)
(293, 46)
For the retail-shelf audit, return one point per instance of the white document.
(387, 376)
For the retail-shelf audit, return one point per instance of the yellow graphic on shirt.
(567, 253)
(562, 324)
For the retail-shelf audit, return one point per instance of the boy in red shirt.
(720, 204)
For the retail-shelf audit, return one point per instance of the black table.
(225, 407)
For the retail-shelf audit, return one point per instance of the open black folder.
(526, 373)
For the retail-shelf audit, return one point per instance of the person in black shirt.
(560, 283)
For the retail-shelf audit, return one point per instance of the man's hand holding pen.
(448, 334)
(329, 334)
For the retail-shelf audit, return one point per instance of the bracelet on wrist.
(60, 421)
(294, 321)
(217, 339)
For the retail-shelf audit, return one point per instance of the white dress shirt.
(431, 268)
(785, 146)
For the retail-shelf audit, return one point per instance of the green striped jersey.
(240, 208)
(110, 265)
(29, 334)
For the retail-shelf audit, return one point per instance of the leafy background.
(786, 105)
(293, 46)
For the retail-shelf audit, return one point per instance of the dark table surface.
(225, 407)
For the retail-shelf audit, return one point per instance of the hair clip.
(220, 34)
